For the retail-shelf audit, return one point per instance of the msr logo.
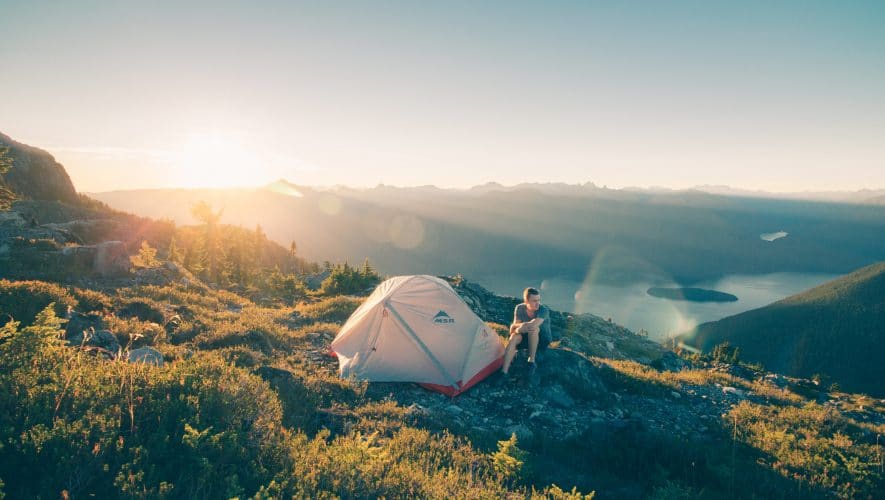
(442, 318)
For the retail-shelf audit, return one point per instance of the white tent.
(417, 329)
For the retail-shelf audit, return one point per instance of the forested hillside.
(834, 331)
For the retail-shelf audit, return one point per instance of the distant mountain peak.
(282, 186)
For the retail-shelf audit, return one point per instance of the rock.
(733, 390)
(111, 259)
(559, 397)
(669, 362)
(575, 373)
(103, 339)
(675, 394)
(523, 433)
(79, 322)
(146, 355)
(275, 376)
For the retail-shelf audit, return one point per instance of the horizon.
(785, 98)
(705, 188)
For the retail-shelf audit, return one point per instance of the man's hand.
(533, 326)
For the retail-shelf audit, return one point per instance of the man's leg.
(533, 344)
(515, 339)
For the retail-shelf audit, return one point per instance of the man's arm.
(527, 326)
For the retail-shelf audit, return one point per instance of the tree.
(293, 249)
(146, 256)
(509, 459)
(347, 279)
(7, 195)
(204, 213)
(173, 254)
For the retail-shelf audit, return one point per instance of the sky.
(781, 96)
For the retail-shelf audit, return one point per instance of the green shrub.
(332, 309)
(146, 257)
(92, 301)
(345, 279)
(812, 443)
(141, 308)
(509, 459)
(23, 300)
(197, 428)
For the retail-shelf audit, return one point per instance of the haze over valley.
(588, 248)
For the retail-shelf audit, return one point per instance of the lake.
(631, 306)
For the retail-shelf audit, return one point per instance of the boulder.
(669, 362)
(147, 355)
(559, 397)
(574, 373)
(91, 337)
(111, 259)
(523, 433)
(79, 322)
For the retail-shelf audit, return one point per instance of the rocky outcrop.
(103, 340)
(36, 175)
(147, 355)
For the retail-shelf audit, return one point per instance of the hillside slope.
(36, 175)
(835, 329)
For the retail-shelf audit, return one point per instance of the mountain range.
(542, 230)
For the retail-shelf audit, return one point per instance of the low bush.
(332, 309)
(23, 300)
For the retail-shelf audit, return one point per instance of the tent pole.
(423, 346)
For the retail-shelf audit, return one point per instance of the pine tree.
(293, 249)
(173, 254)
(146, 256)
(7, 195)
(204, 213)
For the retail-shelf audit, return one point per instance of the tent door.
(421, 345)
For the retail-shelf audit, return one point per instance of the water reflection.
(631, 306)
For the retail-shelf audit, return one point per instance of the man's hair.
(529, 291)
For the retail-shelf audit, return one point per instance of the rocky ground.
(579, 395)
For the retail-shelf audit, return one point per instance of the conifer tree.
(173, 254)
(204, 213)
(7, 196)
(146, 256)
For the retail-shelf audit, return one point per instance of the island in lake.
(691, 294)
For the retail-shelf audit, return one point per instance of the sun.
(217, 160)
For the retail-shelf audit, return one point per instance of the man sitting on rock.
(532, 320)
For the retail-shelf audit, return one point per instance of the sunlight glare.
(217, 160)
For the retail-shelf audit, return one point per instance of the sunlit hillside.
(833, 332)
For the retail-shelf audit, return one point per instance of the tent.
(417, 329)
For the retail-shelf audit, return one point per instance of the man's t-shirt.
(521, 315)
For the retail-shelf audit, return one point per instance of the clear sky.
(776, 95)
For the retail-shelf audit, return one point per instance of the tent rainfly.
(417, 329)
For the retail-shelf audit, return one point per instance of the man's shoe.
(503, 379)
(532, 373)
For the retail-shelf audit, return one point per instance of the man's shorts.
(543, 341)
